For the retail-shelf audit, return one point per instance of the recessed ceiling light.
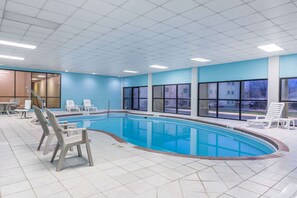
(66, 70)
(11, 57)
(158, 67)
(270, 48)
(131, 71)
(2, 42)
(200, 59)
(41, 76)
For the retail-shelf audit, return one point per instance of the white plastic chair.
(46, 130)
(25, 110)
(88, 105)
(273, 115)
(65, 143)
(70, 105)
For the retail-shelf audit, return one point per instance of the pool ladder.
(108, 108)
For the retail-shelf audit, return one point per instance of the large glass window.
(233, 100)
(135, 98)
(288, 94)
(172, 98)
(14, 85)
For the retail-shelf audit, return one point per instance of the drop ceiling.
(109, 36)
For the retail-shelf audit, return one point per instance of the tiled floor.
(123, 171)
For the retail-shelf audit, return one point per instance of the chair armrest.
(74, 129)
(260, 116)
(66, 125)
(85, 135)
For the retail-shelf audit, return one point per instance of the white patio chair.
(50, 134)
(88, 106)
(273, 115)
(25, 110)
(65, 143)
(70, 105)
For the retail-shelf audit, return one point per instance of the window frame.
(176, 97)
(240, 99)
(132, 98)
(31, 72)
(280, 92)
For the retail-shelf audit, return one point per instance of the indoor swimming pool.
(176, 135)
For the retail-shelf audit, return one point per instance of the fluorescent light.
(158, 67)
(93, 73)
(200, 59)
(2, 42)
(270, 48)
(41, 76)
(130, 71)
(11, 57)
(66, 70)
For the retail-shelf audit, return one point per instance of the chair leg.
(79, 151)
(48, 143)
(55, 152)
(40, 143)
(62, 158)
(89, 153)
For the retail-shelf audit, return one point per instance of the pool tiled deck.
(123, 171)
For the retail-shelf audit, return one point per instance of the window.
(239, 100)
(172, 98)
(135, 98)
(288, 94)
(14, 85)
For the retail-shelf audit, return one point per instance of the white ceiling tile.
(260, 25)
(77, 23)
(76, 3)
(254, 18)
(198, 13)
(31, 3)
(22, 9)
(238, 12)
(237, 31)
(285, 19)
(122, 15)
(13, 30)
(225, 26)
(219, 5)
(42, 30)
(289, 26)
(280, 10)
(70, 29)
(139, 6)
(50, 16)
(177, 21)
(99, 28)
(261, 5)
(179, 7)
(193, 27)
(86, 15)
(213, 20)
(14, 24)
(109, 22)
(143, 22)
(99, 7)
(160, 28)
(160, 14)
(59, 8)
(158, 2)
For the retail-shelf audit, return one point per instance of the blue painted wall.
(172, 77)
(76, 86)
(134, 81)
(243, 70)
(288, 66)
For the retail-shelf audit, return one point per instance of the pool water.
(176, 135)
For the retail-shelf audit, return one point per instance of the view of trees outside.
(289, 95)
(230, 103)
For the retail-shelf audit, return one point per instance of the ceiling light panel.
(158, 67)
(130, 71)
(11, 57)
(200, 60)
(270, 48)
(14, 44)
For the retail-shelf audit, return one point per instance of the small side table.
(286, 123)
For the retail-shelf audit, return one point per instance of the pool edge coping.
(279, 145)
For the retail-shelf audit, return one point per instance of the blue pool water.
(175, 135)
